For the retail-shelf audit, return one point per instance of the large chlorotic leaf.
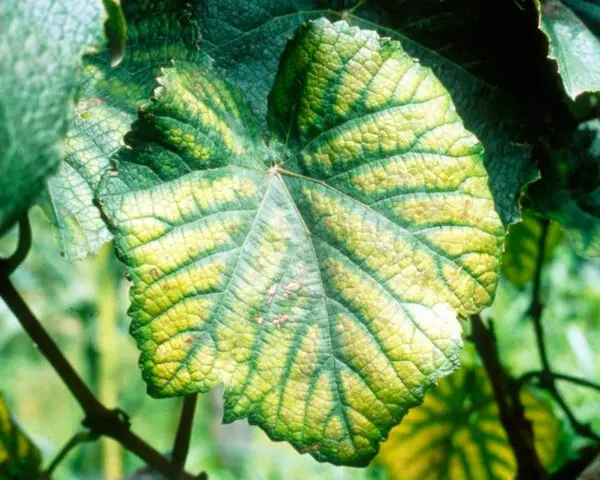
(457, 434)
(522, 248)
(19, 458)
(574, 47)
(317, 275)
(569, 191)
(457, 39)
(158, 32)
(41, 43)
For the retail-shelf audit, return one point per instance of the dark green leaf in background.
(522, 248)
(569, 191)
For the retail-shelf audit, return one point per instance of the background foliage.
(70, 310)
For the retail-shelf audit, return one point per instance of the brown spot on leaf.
(291, 288)
(315, 447)
(280, 320)
(466, 209)
(87, 103)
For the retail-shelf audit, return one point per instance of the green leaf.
(19, 457)
(569, 192)
(457, 434)
(157, 33)
(522, 248)
(317, 272)
(116, 30)
(574, 47)
(458, 40)
(40, 58)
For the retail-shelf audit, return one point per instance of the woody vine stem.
(506, 388)
(546, 378)
(98, 419)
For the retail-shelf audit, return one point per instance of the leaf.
(316, 273)
(522, 248)
(158, 32)
(456, 39)
(569, 192)
(572, 45)
(116, 30)
(457, 433)
(19, 457)
(40, 58)
(68, 201)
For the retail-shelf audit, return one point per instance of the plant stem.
(79, 437)
(510, 408)
(547, 379)
(573, 468)
(153, 458)
(536, 307)
(525, 378)
(593, 470)
(184, 431)
(10, 264)
(86, 399)
(98, 419)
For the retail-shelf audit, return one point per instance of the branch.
(527, 377)
(547, 379)
(510, 408)
(573, 468)
(10, 264)
(536, 307)
(184, 431)
(86, 399)
(592, 470)
(79, 437)
(99, 419)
